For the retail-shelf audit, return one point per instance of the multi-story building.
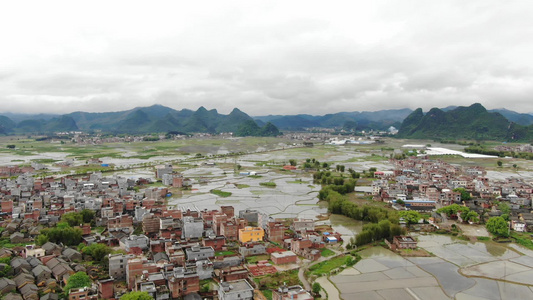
(235, 290)
(118, 264)
(251, 234)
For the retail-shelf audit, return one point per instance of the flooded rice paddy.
(459, 270)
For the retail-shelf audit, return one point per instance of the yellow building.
(251, 234)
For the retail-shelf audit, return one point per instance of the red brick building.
(230, 230)
(105, 289)
(286, 257)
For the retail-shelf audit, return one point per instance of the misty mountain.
(156, 118)
(379, 120)
(472, 122)
(519, 118)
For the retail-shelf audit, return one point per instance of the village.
(51, 229)
(166, 252)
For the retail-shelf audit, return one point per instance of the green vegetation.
(62, 233)
(224, 253)
(465, 196)
(6, 243)
(325, 252)
(480, 149)
(136, 296)
(498, 226)
(242, 186)
(473, 122)
(97, 251)
(250, 128)
(316, 288)
(522, 239)
(268, 184)
(466, 214)
(267, 294)
(274, 281)
(327, 266)
(254, 259)
(7, 269)
(221, 193)
(77, 280)
(410, 216)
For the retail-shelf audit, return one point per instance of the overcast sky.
(265, 57)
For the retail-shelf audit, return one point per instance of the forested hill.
(472, 122)
(366, 120)
(156, 118)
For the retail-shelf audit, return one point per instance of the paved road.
(307, 264)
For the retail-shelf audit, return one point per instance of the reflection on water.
(377, 252)
(347, 227)
(494, 249)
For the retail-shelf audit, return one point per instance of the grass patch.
(221, 193)
(298, 181)
(255, 176)
(274, 281)
(254, 259)
(267, 294)
(326, 252)
(100, 229)
(224, 253)
(483, 238)
(45, 160)
(327, 266)
(242, 186)
(522, 239)
(268, 184)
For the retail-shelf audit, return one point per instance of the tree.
(472, 216)
(97, 251)
(78, 280)
(452, 210)
(72, 218)
(410, 216)
(316, 288)
(498, 226)
(61, 234)
(87, 215)
(41, 239)
(136, 296)
(7, 268)
(499, 163)
(10, 146)
(465, 195)
(292, 162)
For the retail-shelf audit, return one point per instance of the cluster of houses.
(423, 185)
(166, 252)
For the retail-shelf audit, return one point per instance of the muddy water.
(347, 227)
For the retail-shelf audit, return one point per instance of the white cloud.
(265, 57)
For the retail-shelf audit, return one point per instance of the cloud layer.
(265, 57)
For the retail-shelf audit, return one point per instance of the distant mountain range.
(472, 122)
(450, 122)
(156, 118)
(379, 120)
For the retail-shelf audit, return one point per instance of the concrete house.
(196, 253)
(235, 290)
